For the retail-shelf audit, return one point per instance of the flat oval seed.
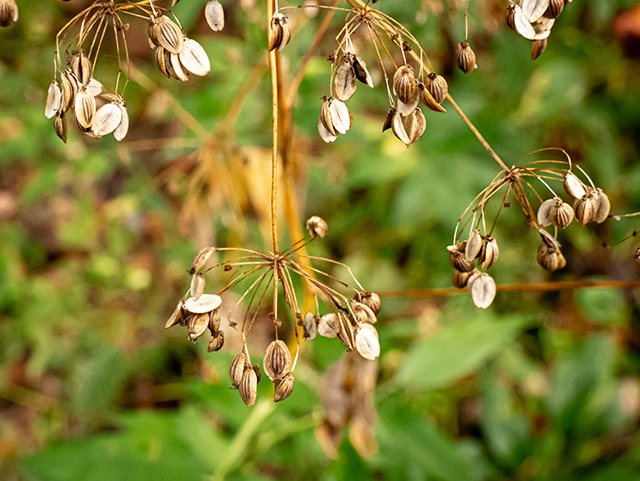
(194, 58)
(367, 343)
(54, 98)
(205, 303)
(106, 119)
(121, 132)
(482, 288)
(85, 106)
(340, 116)
(344, 82)
(324, 133)
(533, 9)
(178, 69)
(214, 14)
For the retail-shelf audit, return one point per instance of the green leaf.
(457, 350)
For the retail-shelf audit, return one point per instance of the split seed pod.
(216, 342)
(367, 342)
(325, 134)
(81, 67)
(277, 360)
(198, 324)
(201, 258)
(8, 12)
(404, 84)
(54, 99)
(416, 124)
(85, 107)
(437, 86)
(533, 9)
(340, 116)
(106, 120)
(369, 299)
(465, 57)
(60, 126)
(362, 313)
(460, 279)
(203, 304)
(603, 206)
(197, 285)
(586, 208)
(573, 186)
(329, 325)
(561, 214)
(457, 258)
(69, 89)
(214, 14)
(428, 100)
(537, 47)
(474, 244)
(317, 226)
(549, 257)
(554, 9)
(360, 69)
(284, 387)
(482, 288)
(176, 317)
(237, 368)
(344, 81)
(310, 326)
(399, 130)
(177, 69)
(249, 387)
(279, 33)
(489, 252)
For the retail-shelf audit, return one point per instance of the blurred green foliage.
(92, 262)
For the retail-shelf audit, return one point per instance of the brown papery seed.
(167, 34)
(317, 226)
(85, 107)
(437, 86)
(537, 47)
(404, 84)
(465, 58)
(214, 14)
(237, 368)
(249, 387)
(284, 387)
(216, 342)
(60, 126)
(201, 258)
(277, 360)
(344, 81)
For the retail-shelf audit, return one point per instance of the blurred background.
(96, 237)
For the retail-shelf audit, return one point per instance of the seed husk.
(460, 279)
(69, 89)
(404, 84)
(121, 132)
(520, 23)
(8, 12)
(465, 57)
(561, 214)
(216, 342)
(398, 129)
(344, 81)
(161, 61)
(360, 68)
(277, 360)
(279, 33)
(178, 69)
(407, 109)
(165, 33)
(324, 133)
(214, 14)
(340, 116)
(325, 116)
(428, 100)
(482, 288)
(549, 257)
(534, 9)
(585, 209)
(489, 252)
(544, 212)
(416, 125)
(176, 317)
(363, 313)
(237, 368)
(603, 206)
(329, 325)
(203, 304)
(283, 388)
(194, 58)
(317, 226)
(474, 244)
(198, 324)
(60, 126)
(537, 47)
(573, 186)
(106, 120)
(388, 121)
(437, 87)
(554, 9)
(366, 342)
(197, 285)
(201, 258)
(85, 108)
(54, 99)
(248, 387)
(369, 299)
(310, 327)
(81, 67)
(457, 258)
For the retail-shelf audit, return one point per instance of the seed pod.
(160, 60)
(60, 126)
(460, 279)
(360, 69)
(176, 317)
(398, 129)
(69, 89)
(542, 28)
(549, 257)
(329, 325)
(482, 288)
(416, 125)
(489, 252)
(197, 285)
(437, 87)
(537, 47)
(457, 258)
(310, 327)
(54, 98)
(85, 108)
(510, 17)
(197, 325)
(585, 208)
(81, 68)
(465, 58)
(388, 121)
(194, 59)
(603, 206)
(404, 84)
(362, 313)
(317, 226)
(428, 100)
(533, 9)
(561, 214)
(121, 132)
(408, 109)
(544, 212)
(216, 342)
(344, 81)
(369, 299)
(276, 34)
(573, 186)
(367, 343)
(325, 116)
(164, 33)
(474, 244)
(201, 258)
(178, 69)
(204, 303)
(214, 321)
(8, 12)
(106, 120)
(248, 387)
(284, 387)
(214, 14)
(554, 9)
(325, 134)
(237, 368)
(340, 116)
(277, 360)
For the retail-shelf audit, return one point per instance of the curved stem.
(273, 63)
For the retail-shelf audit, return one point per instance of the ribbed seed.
(249, 387)
(60, 126)
(8, 12)
(163, 32)
(277, 360)
(437, 86)
(404, 84)
(85, 108)
(537, 47)
(237, 368)
(81, 68)
(283, 388)
(344, 81)
(465, 58)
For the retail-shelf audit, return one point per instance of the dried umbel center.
(8, 12)
(277, 360)
(465, 57)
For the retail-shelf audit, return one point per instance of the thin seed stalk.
(273, 63)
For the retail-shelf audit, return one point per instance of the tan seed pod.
(277, 360)
(428, 100)
(416, 125)
(60, 126)
(388, 121)
(283, 388)
(317, 226)
(325, 134)
(534, 9)
(465, 57)
(276, 33)
(85, 108)
(554, 9)
(203, 304)
(106, 120)
(69, 89)
(573, 186)
(194, 59)
(8, 12)
(310, 327)
(437, 86)
(367, 342)
(399, 130)
(585, 209)
(482, 288)
(520, 23)
(537, 47)
(340, 116)
(362, 313)
(161, 61)
(177, 69)
(457, 259)
(344, 81)
(603, 206)
(561, 214)
(325, 116)
(214, 321)
(216, 342)
(474, 244)
(360, 68)
(81, 68)
(407, 109)
(163, 32)
(197, 285)
(121, 132)
(544, 212)
(54, 99)
(489, 252)
(369, 299)
(460, 279)
(329, 325)
(510, 17)
(198, 324)
(548, 257)
(200, 259)
(248, 387)
(237, 368)
(176, 317)
(214, 14)
(404, 84)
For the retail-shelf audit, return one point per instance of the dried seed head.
(194, 59)
(489, 252)
(457, 258)
(360, 68)
(214, 14)
(474, 244)
(216, 342)
(586, 209)
(404, 84)
(482, 288)
(310, 329)
(428, 100)
(279, 33)
(554, 9)
(367, 343)
(317, 226)
(201, 258)
(60, 126)
(437, 87)
(549, 257)
(537, 47)
(277, 360)
(69, 88)
(465, 58)
(603, 206)
(203, 304)
(176, 317)
(8, 12)
(344, 81)
(163, 32)
(214, 321)
(198, 324)
(573, 186)
(237, 368)
(248, 387)
(284, 387)
(545, 216)
(460, 279)
(329, 325)
(369, 299)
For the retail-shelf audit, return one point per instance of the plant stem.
(273, 63)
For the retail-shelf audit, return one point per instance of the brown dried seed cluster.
(549, 255)
(590, 204)
(279, 33)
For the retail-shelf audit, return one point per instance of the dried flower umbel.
(350, 320)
